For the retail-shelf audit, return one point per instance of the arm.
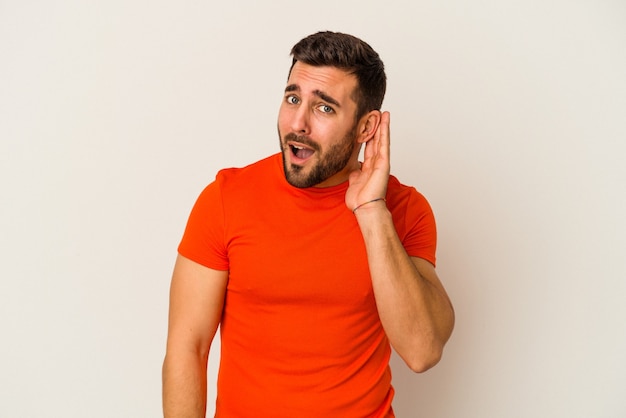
(413, 306)
(196, 303)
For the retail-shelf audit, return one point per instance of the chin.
(296, 178)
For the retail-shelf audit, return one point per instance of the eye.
(291, 99)
(325, 109)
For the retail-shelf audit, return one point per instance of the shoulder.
(251, 174)
(414, 220)
(400, 196)
(235, 181)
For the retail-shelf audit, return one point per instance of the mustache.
(303, 139)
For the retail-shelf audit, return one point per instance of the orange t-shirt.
(300, 332)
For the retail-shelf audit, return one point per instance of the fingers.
(380, 141)
(384, 134)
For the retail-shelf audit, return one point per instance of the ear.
(367, 126)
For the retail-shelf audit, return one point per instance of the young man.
(311, 262)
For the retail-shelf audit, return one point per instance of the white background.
(509, 116)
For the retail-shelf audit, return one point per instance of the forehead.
(331, 80)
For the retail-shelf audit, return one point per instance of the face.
(317, 126)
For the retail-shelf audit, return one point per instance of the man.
(311, 262)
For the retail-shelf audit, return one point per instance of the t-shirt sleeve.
(420, 231)
(203, 240)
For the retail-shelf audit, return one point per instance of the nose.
(300, 121)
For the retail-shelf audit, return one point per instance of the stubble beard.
(330, 161)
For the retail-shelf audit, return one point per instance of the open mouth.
(300, 152)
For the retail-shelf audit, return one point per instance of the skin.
(412, 303)
(318, 113)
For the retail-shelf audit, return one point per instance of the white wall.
(509, 116)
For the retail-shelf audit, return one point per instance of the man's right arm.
(196, 303)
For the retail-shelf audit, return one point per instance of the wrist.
(369, 203)
(373, 219)
(373, 210)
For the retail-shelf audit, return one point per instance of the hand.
(370, 181)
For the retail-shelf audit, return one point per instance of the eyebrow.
(318, 93)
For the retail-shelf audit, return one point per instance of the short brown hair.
(351, 54)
